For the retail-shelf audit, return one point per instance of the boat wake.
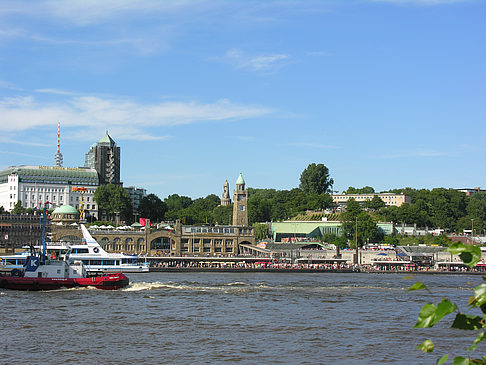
(141, 286)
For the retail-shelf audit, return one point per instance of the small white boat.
(94, 258)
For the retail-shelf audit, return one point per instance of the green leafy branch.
(431, 314)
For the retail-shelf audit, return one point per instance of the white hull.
(124, 269)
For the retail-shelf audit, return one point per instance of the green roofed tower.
(240, 203)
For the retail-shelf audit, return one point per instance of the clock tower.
(240, 203)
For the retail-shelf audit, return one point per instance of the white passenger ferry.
(93, 256)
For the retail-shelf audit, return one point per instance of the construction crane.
(81, 191)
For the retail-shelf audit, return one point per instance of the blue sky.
(387, 93)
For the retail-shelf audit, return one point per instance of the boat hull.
(106, 282)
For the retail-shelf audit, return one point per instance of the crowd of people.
(285, 265)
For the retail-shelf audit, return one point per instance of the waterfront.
(198, 317)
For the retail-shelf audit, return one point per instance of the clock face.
(241, 197)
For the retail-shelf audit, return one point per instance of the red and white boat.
(40, 273)
(53, 274)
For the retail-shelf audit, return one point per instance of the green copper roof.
(52, 174)
(107, 139)
(65, 209)
(240, 180)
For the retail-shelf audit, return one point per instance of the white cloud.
(53, 91)
(257, 63)
(132, 120)
(88, 12)
(22, 154)
(8, 140)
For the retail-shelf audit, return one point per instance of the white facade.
(389, 198)
(35, 185)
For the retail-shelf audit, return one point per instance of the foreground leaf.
(480, 295)
(469, 254)
(442, 360)
(431, 314)
(417, 286)
(478, 339)
(426, 346)
(426, 316)
(459, 360)
(467, 322)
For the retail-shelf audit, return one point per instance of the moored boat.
(42, 273)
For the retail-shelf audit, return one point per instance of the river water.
(246, 318)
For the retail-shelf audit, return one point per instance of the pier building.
(17, 230)
(313, 229)
(165, 240)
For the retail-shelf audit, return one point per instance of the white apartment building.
(389, 198)
(35, 185)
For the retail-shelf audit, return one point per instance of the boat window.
(108, 262)
(80, 250)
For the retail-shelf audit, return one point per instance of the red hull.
(107, 282)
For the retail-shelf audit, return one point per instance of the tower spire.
(58, 156)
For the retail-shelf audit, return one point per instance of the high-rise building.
(240, 203)
(104, 157)
(136, 196)
(225, 199)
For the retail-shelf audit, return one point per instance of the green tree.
(261, 231)
(315, 179)
(349, 218)
(223, 214)
(360, 223)
(258, 210)
(18, 209)
(375, 204)
(319, 201)
(152, 207)
(114, 200)
(175, 205)
(332, 238)
(363, 190)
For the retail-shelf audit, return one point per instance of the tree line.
(448, 209)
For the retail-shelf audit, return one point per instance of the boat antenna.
(43, 235)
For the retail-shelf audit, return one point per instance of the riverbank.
(307, 271)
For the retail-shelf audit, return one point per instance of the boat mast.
(43, 235)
